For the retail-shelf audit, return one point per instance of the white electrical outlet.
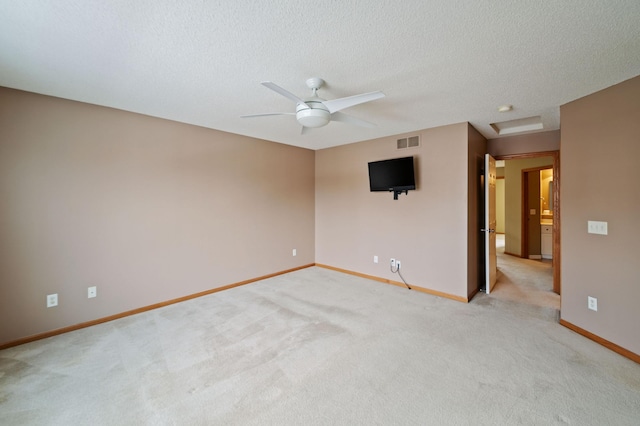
(295, 252)
(375, 259)
(393, 263)
(398, 264)
(52, 300)
(92, 292)
(592, 303)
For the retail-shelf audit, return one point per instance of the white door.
(491, 259)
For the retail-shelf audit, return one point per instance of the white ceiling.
(438, 61)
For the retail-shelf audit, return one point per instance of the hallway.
(525, 281)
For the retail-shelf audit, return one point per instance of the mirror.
(546, 193)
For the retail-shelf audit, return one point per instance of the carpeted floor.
(525, 281)
(317, 347)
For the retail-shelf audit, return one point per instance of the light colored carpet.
(317, 347)
(526, 281)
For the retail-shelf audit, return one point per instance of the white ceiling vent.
(410, 142)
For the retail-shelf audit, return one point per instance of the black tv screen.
(393, 175)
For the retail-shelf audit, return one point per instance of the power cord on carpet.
(397, 271)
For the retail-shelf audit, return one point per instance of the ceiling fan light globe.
(313, 117)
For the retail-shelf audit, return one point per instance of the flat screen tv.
(395, 175)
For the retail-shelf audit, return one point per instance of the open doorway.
(524, 281)
(518, 261)
(537, 213)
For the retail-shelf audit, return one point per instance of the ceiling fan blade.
(342, 103)
(345, 118)
(267, 114)
(282, 91)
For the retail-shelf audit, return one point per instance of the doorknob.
(488, 230)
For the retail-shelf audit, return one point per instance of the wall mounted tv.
(395, 175)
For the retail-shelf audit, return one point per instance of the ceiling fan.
(318, 112)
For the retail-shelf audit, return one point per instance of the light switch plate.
(596, 227)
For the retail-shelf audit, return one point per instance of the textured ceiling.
(438, 62)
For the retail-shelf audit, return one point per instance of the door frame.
(556, 262)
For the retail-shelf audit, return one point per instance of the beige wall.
(513, 200)
(145, 209)
(524, 144)
(426, 229)
(600, 178)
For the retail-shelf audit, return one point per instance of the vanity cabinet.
(546, 237)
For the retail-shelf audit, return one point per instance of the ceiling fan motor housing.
(313, 113)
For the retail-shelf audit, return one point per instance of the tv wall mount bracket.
(398, 192)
